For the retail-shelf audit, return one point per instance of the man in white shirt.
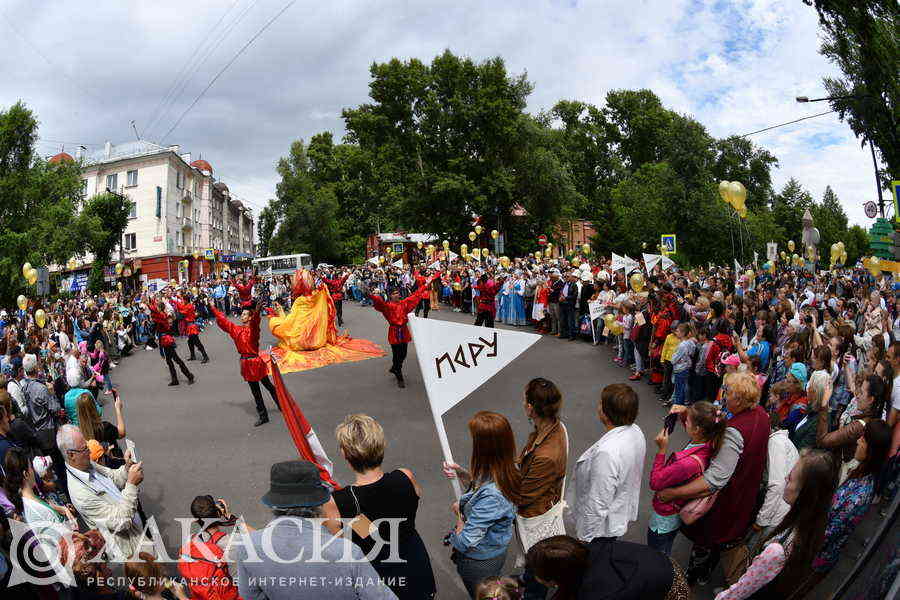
(608, 475)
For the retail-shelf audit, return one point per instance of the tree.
(306, 214)
(38, 203)
(860, 37)
(856, 244)
(739, 159)
(100, 225)
(788, 207)
(268, 221)
(831, 221)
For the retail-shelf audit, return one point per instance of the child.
(498, 588)
(697, 383)
(100, 367)
(665, 358)
(705, 425)
(682, 362)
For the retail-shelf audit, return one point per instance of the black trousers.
(484, 317)
(424, 305)
(398, 352)
(339, 310)
(172, 359)
(257, 395)
(195, 343)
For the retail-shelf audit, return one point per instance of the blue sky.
(735, 65)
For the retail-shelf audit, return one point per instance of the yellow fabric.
(308, 338)
(669, 347)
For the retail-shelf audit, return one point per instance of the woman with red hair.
(487, 510)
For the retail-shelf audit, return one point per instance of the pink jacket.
(678, 469)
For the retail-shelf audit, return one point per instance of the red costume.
(397, 313)
(246, 340)
(487, 292)
(163, 325)
(189, 313)
(245, 291)
(336, 287)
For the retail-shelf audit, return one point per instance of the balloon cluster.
(637, 282)
(614, 326)
(29, 273)
(735, 194)
(838, 254)
(873, 264)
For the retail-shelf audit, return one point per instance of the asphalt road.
(200, 440)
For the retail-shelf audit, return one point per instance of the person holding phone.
(705, 425)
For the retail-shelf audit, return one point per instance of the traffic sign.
(871, 209)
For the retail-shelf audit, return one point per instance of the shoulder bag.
(531, 530)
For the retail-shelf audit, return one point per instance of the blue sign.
(79, 282)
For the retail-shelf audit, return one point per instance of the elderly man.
(568, 299)
(41, 405)
(106, 498)
(296, 497)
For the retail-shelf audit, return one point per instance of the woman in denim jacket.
(486, 512)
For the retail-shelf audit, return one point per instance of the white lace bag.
(531, 530)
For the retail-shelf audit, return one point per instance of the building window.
(84, 184)
(130, 242)
(132, 212)
(132, 178)
(111, 182)
(179, 180)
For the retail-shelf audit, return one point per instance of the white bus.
(279, 265)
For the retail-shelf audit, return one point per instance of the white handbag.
(531, 530)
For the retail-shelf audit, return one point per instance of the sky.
(87, 68)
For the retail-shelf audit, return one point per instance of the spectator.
(867, 404)
(605, 569)
(43, 407)
(802, 433)
(498, 588)
(705, 427)
(542, 463)
(608, 474)
(91, 572)
(378, 495)
(296, 495)
(782, 456)
(107, 499)
(784, 562)
(208, 580)
(735, 473)
(147, 580)
(485, 512)
(94, 428)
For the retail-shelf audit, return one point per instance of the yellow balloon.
(419, 245)
(476, 252)
(32, 279)
(790, 245)
(874, 266)
(783, 255)
(576, 261)
(472, 236)
(609, 319)
(637, 282)
(616, 328)
(548, 252)
(723, 192)
(537, 255)
(456, 286)
(749, 273)
(586, 248)
(495, 234)
(120, 266)
(22, 302)
(485, 252)
(25, 269)
(811, 252)
(381, 259)
(40, 317)
(463, 249)
(738, 196)
(478, 229)
(445, 244)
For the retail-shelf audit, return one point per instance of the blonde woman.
(94, 428)
(378, 495)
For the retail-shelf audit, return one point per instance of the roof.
(125, 150)
(58, 158)
(202, 165)
(407, 237)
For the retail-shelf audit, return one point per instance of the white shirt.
(608, 483)
(782, 457)
(15, 390)
(73, 372)
(895, 393)
(103, 484)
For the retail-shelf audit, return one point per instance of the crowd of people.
(786, 383)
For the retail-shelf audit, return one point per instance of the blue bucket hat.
(798, 370)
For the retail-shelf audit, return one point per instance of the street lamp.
(805, 99)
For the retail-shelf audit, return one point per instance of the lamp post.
(806, 99)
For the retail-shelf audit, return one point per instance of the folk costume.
(167, 344)
(189, 315)
(399, 337)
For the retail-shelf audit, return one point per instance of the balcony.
(186, 196)
(186, 223)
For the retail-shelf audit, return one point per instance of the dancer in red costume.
(245, 291)
(425, 303)
(336, 289)
(396, 313)
(246, 341)
(487, 292)
(184, 306)
(166, 342)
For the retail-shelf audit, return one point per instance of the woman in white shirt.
(43, 518)
(608, 475)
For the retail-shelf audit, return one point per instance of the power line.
(788, 123)
(228, 64)
(189, 63)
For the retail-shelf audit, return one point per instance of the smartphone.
(129, 447)
(669, 422)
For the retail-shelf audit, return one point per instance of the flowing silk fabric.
(308, 338)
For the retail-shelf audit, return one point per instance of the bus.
(280, 265)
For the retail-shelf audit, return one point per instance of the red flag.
(301, 431)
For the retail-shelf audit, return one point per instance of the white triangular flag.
(435, 266)
(631, 265)
(755, 258)
(398, 263)
(456, 358)
(617, 262)
(667, 263)
(737, 268)
(650, 261)
(373, 260)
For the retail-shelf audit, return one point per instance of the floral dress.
(850, 504)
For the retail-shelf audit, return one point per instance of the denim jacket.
(489, 520)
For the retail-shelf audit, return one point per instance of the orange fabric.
(308, 338)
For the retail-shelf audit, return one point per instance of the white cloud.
(736, 66)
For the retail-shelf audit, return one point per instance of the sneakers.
(262, 420)
(635, 377)
(173, 382)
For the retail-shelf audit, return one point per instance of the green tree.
(100, 225)
(856, 243)
(861, 38)
(739, 159)
(831, 221)
(788, 207)
(38, 204)
(637, 222)
(268, 221)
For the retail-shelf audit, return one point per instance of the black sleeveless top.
(392, 497)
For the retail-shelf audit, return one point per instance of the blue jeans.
(661, 541)
(472, 571)
(681, 386)
(629, 351)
